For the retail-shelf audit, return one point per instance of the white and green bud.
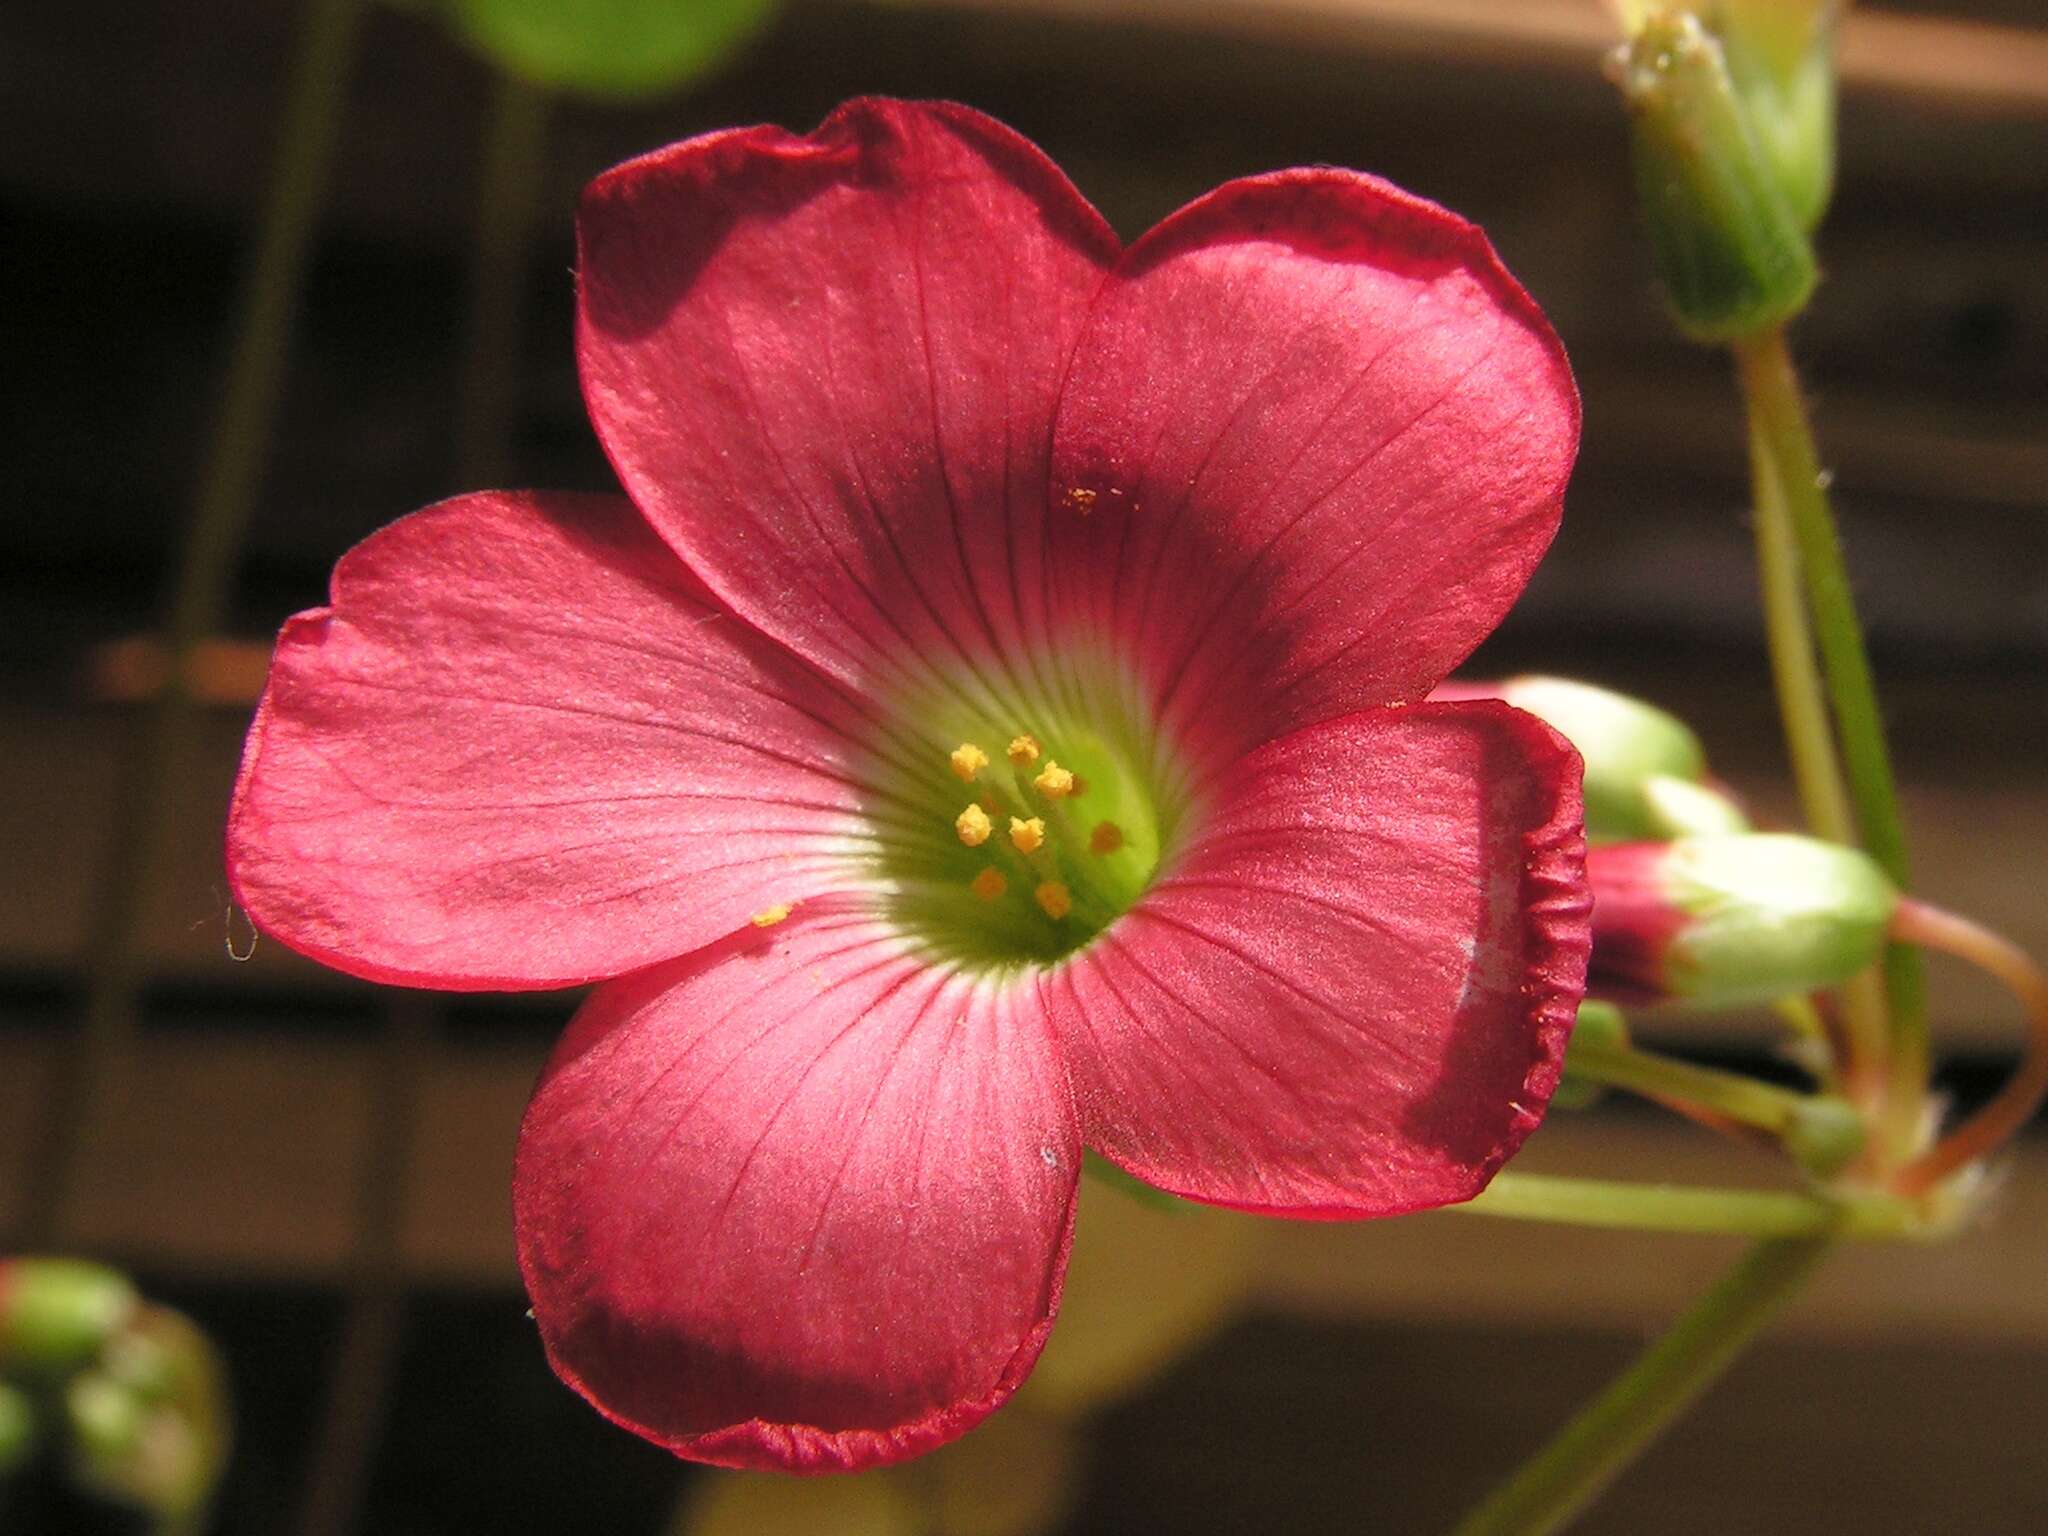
(1781, 58)
(1645, 769)
(1724, 921)
(1728, 235)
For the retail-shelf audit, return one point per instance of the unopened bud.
(17, 1428)
(1681, 808)
(1600, 1027)
(1781, 58)
(56, 1313)
(1824, 1136)
(1729, 245)
(1625, 742)
(1726, 921)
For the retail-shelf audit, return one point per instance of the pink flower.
(922, 468)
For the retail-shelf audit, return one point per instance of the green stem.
(1742, 1099)
(1606, 1436)
(1689, 1208)
(141, 815)
(1809, 737)
(1780, 431)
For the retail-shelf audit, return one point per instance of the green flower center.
(1012, 829)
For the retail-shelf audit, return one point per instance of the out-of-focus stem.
(1689, 1208)
(1764, 1106)
(141, 816)
(1780, 429)
(1606, 1436)
(1809, 738)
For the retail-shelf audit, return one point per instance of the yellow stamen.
(973, 826)
(968, 760)
(1025, 836)
(768, 917)
(1023, 750)
(1055, 898)
(989, 884)
(1053, 781)
(1106, 838)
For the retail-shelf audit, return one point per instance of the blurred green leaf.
(612, 48)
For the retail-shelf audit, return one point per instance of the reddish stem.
(1991, 1127)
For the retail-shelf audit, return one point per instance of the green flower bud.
(1824, 1137)
(56, 1313)
(1728, 240)
(1600, 1026)
(17, 1428)
(1781, 59)
(1625, 743)
(1732, 920)
(1680, 808)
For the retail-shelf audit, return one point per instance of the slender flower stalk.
(1597, 1446)
(1738, 1097)
(1781, 434)
(1702, 1211)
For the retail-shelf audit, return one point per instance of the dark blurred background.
(319, 1174)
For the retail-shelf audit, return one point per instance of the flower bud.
(1728, 243)
(17, 1428)
(1600, 1025)
(1781, 59)
(1726, 921)
(1681, 808)
(56, 1313)
(1627, 746)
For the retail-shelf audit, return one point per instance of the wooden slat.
(240, 1158)
(1978, 65)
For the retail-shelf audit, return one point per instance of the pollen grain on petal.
(1023, 750)
(968, 760)
(1107, 837)
(973, 826)
(768, 917)
(1080, 499)
(1055, 898)
(1027, 835)
(1053, 781)
(989, 884)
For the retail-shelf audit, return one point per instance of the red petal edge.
(523, 749)
(1350, 994)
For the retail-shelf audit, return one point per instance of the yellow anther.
(1025, 836)
(1023, 750)
(1053, 781)
(989, 884)
(968, 760)
(1106, 838)
(768, 917)
(973, 826)
(1055, 898)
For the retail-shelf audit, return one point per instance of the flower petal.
(1349, 996)
(825, 368)
(522, 749)
(803, 1201)
(1314, 442)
